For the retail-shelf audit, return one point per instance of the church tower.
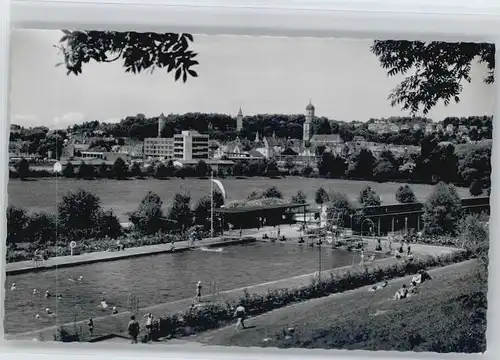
(307, 128)
(239, 120)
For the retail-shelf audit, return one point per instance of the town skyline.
(37, 98)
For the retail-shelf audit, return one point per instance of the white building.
(190, 145)
(159, 148)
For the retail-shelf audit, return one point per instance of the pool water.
(155, 279)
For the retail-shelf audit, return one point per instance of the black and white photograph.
(251, 191)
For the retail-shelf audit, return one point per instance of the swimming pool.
(155, 279)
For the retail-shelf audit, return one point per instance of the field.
(448, 315)
(124, 196)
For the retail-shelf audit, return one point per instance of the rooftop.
(239, 210)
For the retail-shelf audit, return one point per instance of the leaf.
(178, 73)
(184, 77)
(192, 73)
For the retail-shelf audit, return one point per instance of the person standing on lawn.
(90, 325)
(133, 329)
(239, 314)
(149, 325)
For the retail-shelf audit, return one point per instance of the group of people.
(407, 291)
(400, 251)
(133, 327)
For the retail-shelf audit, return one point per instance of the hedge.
(95, 245)
(221, 313)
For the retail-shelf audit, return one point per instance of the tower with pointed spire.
(256, 137)
(239, 120)
(307, 127)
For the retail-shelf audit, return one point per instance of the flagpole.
(212, 205)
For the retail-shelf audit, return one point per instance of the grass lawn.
(124, 196)
(446, 316)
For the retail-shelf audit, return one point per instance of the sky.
(341, 77)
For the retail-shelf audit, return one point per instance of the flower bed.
(95, 245)
(219, 314)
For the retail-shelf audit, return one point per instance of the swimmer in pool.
(47, 294)
(13, 287)
(115, 310)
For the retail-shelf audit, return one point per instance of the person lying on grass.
(378, 286)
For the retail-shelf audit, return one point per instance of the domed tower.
(162, 121)
(308, 123)
(239, 120)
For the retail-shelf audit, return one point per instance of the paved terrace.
(116, 324)
(89, 258)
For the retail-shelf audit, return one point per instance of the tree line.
(81, 217)
(469, 166)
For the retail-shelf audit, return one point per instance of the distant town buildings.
(188, 147)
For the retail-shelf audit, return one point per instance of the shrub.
(405, 195)
(69, 171)
(272, 192)
(64, 335)
(135, 170)
(23, 168)
(180, 213)
(16, 224)
(119, 170)
(368, 197)
(103, 170)
(109, 225)
(85, 171)
(148, 217)
(79, 214)
(442, 210)
(338, 202)
(476, 187)
(321, 196)
(41, 229)
(202, 169)
(299, 198)
(307, 171)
